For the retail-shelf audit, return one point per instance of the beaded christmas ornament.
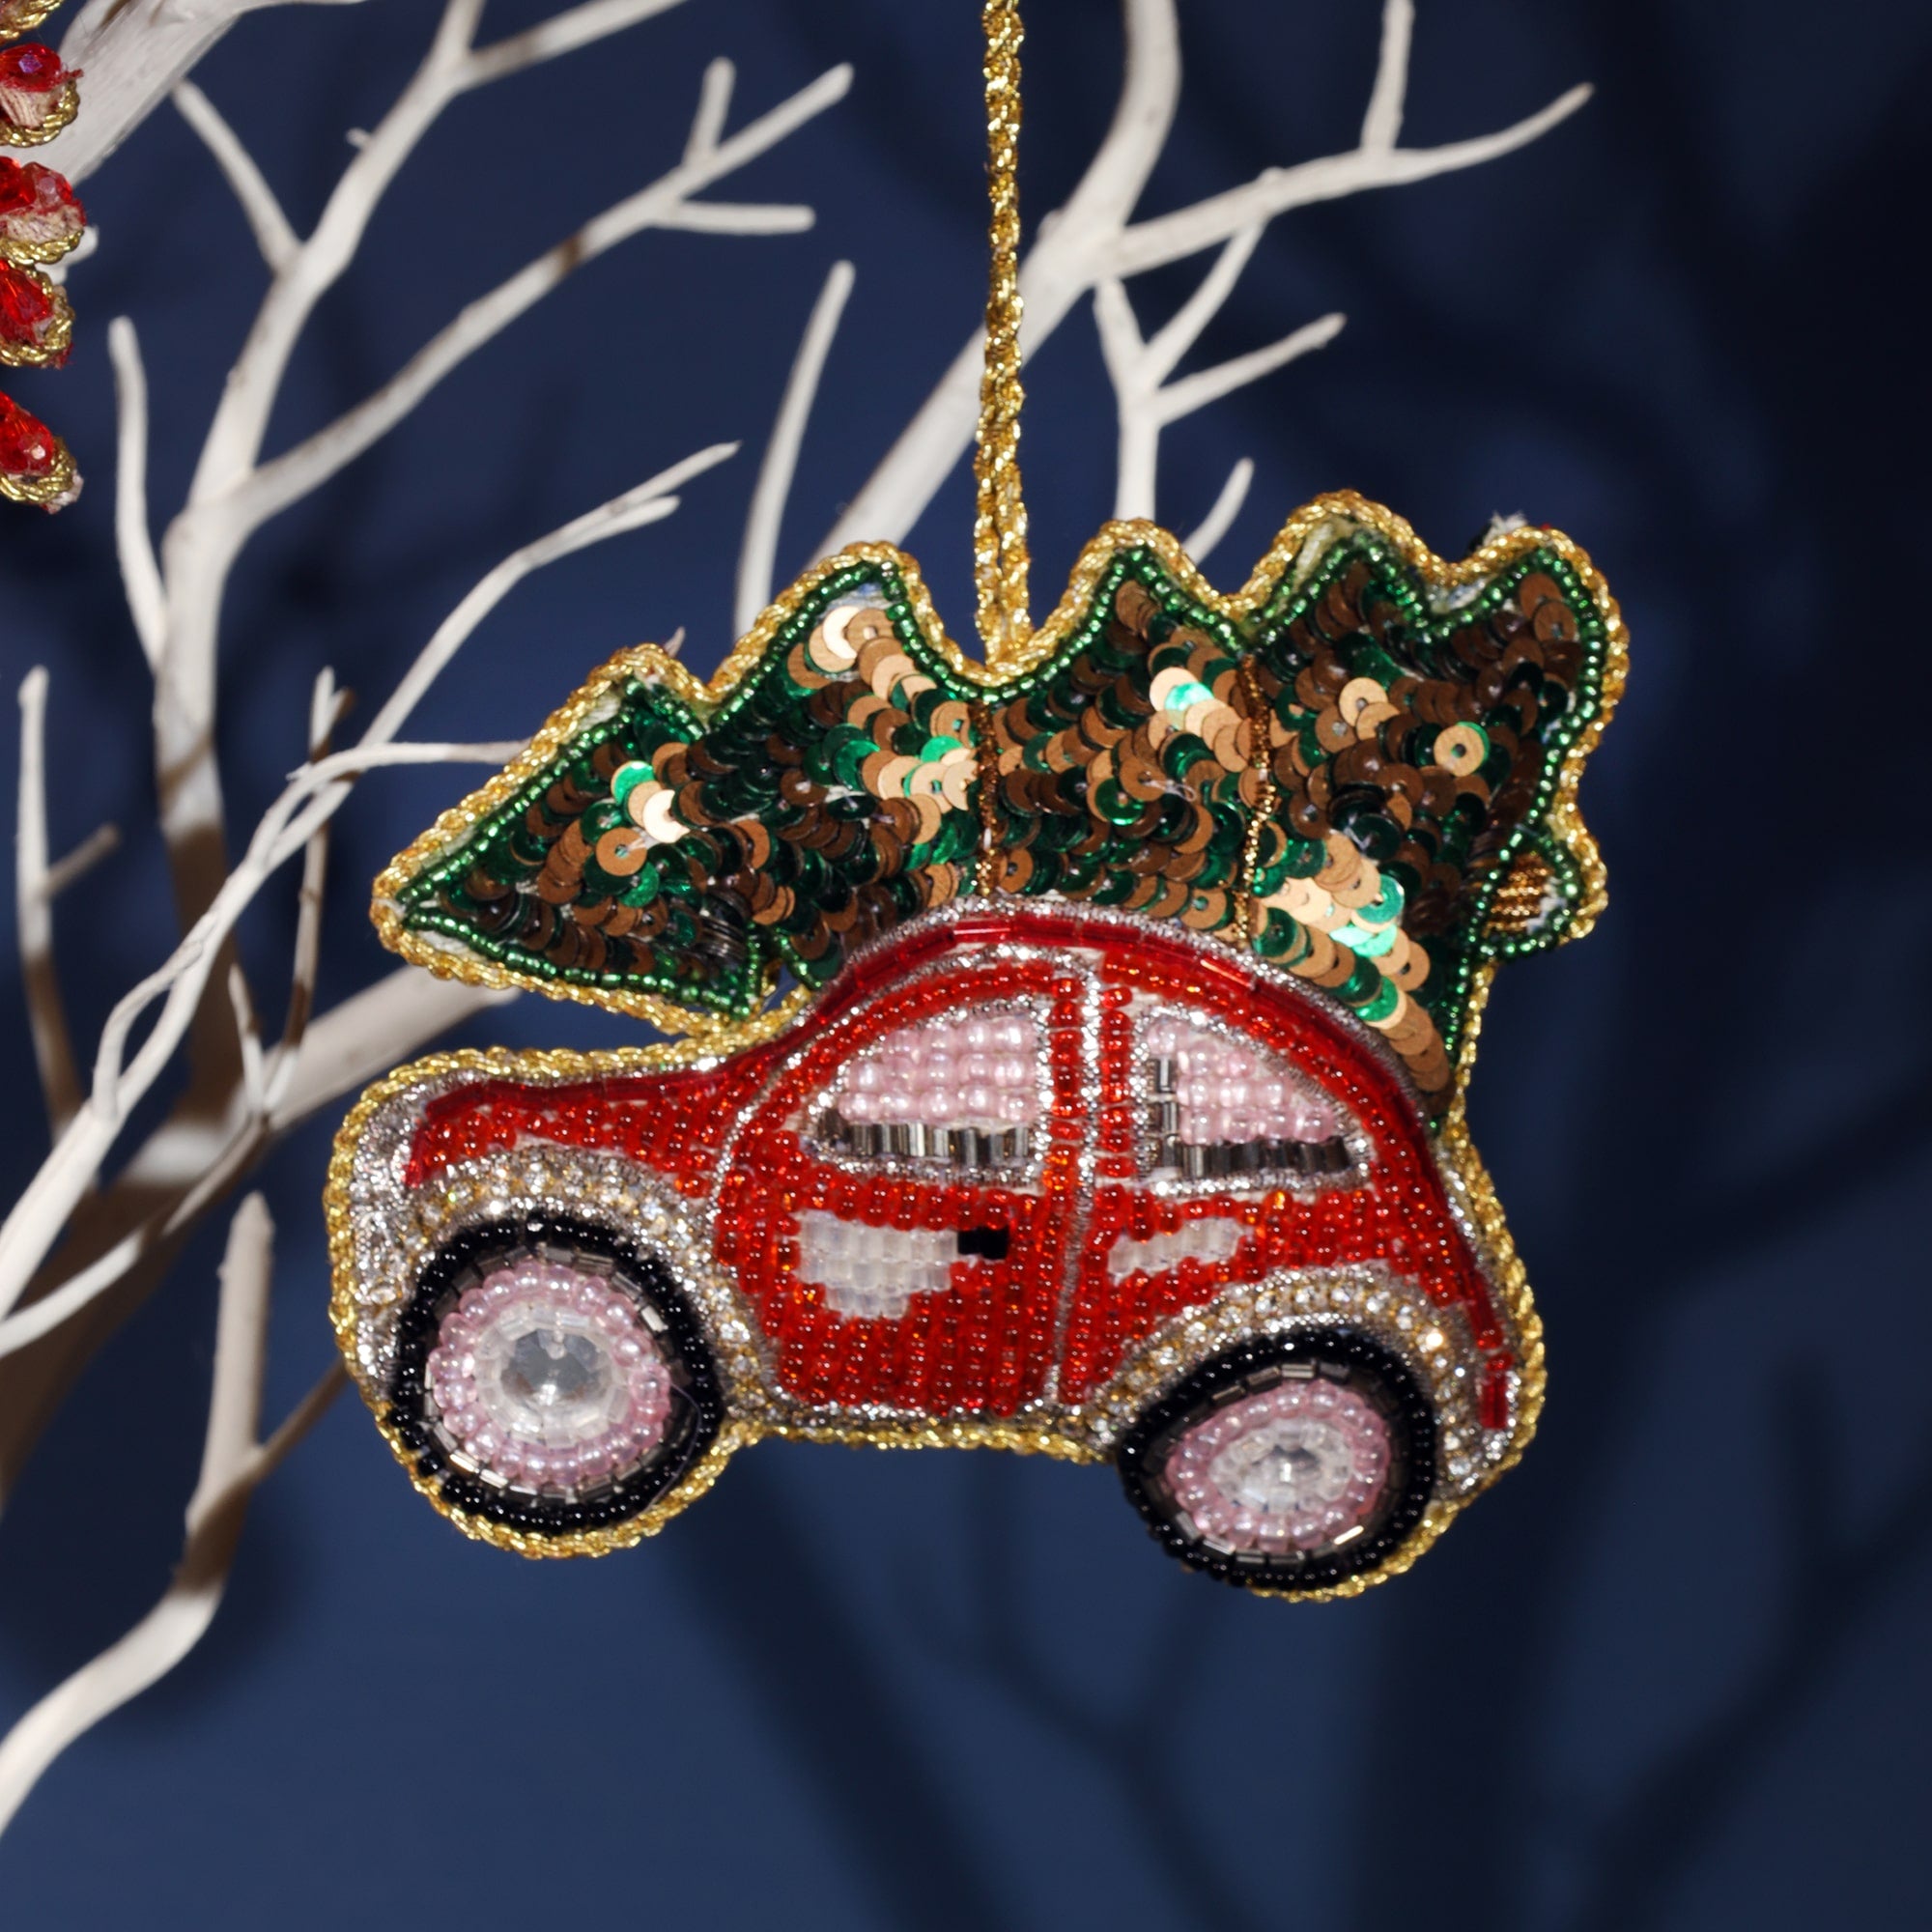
(1071, 1044)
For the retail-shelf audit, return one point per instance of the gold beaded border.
(54, 488)
(648, 664)
(28, 18)
(21, 254)
(58, 115)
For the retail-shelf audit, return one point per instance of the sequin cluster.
(1345, 780)
(1124, 775)
(684, 852)
(1412, 759)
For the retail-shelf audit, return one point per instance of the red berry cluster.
(40, 221)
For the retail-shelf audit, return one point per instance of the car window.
(1221, 1108)
(964, 1092)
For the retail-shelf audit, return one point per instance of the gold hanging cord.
(1000, 528)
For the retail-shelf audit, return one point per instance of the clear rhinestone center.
(1287, 1467)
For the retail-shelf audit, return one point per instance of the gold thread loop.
(1000, 528)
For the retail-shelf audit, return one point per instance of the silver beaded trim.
(398, 1229)
(1433, 1342)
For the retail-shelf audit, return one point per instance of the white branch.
(310, 798)
(1093, 238)
(561, 34)
(233, 1465)
(714, 109)
(1172, 238)
(1381, 124)
(233, 440)
(98, 843)
(326, 705)
(233, 492)
(273, 236)
(1137, 368)
(32, 914)
(1220, 519)
(736, 218)
(134, 51)
(299, 471)
(137, 50)
(1191, 319)
(313, 795)
(140, 572)
(648, 502)
(1209, 385)
(342, 1050)
(759, 560)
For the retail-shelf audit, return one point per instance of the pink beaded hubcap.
(1302, 1466)
(1291, 1463)
(547, 1376)
(550, 1377)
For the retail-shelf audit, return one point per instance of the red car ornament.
(1116, 1107)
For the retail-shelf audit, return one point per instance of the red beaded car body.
(1048, 1321)
(1037, 1278)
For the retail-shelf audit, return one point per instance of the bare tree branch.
(33, 912)
(1093, 238)
(233, 1465)
(313, 795)
(273, 236)
(325, 707)
(140, 572)
(312, 461)
(1381, 124)
(1138, 368)
(98, 845)
(758, 561)
(1220, 519)
(561, 34)
(1209, 385)
(134, 51)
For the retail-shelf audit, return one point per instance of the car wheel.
(550, 1378)
(1289, 1464)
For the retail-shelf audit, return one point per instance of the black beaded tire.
(1338, 1355)
(697, 1409)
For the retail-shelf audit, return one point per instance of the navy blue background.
(1671, 1673)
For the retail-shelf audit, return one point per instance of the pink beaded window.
(1221, 1108)
(966, 1092)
